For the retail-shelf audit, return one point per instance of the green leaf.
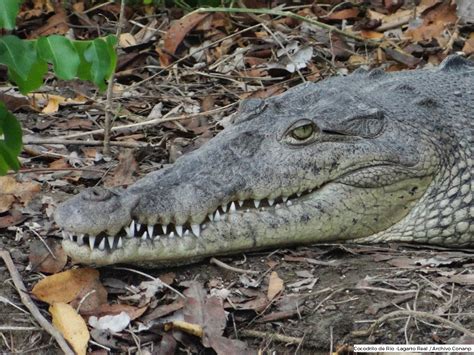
(84, 70)
(101, 54)
(17, 55)
(60, 51)
(8, 11)
(34, 78)
(10, 145)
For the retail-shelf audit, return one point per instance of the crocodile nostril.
(96, 194)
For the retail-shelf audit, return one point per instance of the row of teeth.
(154, 232)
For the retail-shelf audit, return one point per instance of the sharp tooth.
(102, 244)
(210, 216)
(165, 228)
(203, 226)
(64, 234)
(277, 205)
(247, 210)
(171, 235)
(131, 229)
(288, 203)
(111, 241)
(144, 235)
(232, 207)
(224, 208)
(284, 198)
(80, 239)
(196, 229)
(186, 232)
(240, 203)
(270, 202)
(71, 237)
(298, 194)
(157, 237)
(138, 227)
(217, 216)
(310, 190)
(179, 230)
(119, 243)
(91, 241)
(256, 203)
(150, 230)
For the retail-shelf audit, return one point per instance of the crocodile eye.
(301, 132)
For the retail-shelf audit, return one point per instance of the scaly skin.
(382, 157)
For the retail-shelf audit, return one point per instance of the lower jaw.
(333, 213)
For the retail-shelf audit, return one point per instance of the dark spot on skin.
(304, 218)
(427, 102)
(413, 190)
(354, 221)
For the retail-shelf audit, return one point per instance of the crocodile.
(369, 157)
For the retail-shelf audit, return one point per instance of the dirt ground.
(352, 286)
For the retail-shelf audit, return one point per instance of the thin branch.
(426, 315)
(231, 268)
(152, 122)
(110, 86)
(52, 140)
(28, 302)
(273, 336)
(290, 15)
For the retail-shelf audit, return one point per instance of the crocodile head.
(322, 162)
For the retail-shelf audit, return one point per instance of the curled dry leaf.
(72, 286)
(71, 326)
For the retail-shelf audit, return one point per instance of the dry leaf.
(11, 191)
(114, 309)
(72, 285)
(343, 14)
(435, 22)
(275, 286)
(71, 326)
(178, 30)
(468, 48)
(42, 260)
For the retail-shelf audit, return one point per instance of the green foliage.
(27, 63)
(8, 11)
(10, 145)
(59, 51)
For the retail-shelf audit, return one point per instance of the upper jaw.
(133, 230)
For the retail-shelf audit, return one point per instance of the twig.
(48, 170)
(152, 122)
(151, 278)
(203, 48)
(231, 268)
(81, 142)
(419, 314)
(28, 302)
(274, 336)
(290, 15)
(110, 86)
(4, 328)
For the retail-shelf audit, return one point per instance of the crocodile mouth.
(143, 233)
(158, 232)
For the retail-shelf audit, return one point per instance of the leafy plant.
(27, 62)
